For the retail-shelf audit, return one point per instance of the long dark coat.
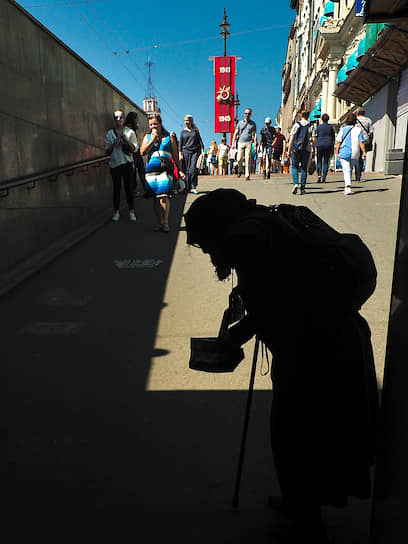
(324, 387)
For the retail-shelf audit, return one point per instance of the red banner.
(225, 71)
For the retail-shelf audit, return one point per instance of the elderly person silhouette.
(324, 387)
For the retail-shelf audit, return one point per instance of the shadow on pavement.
(88, 446)
(91, 451)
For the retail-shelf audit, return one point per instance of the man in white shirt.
(366, 125)
(245, 135)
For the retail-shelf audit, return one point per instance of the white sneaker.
(347, 190)
(193, 190)
(115, 216)
(295, 189)
(132, 216)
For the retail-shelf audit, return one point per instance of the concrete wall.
(54, 111)
(376, 109)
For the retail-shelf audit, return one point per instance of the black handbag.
(312, 167)
(368, 143)
(126, 148)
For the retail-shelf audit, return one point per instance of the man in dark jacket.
(324, 387)
(323, 138)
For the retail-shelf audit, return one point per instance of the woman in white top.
(349, 141)
(222, 156)
(120, 143)
(212, 158)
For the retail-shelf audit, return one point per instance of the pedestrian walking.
(190, 147)
(267, 136)
(222, 156)
(245, 135)
(323, 137)
(120, 144)
(139, 167)
(279, 148)
(324, 402)
(366, 125)
(301, 149)
(212, 158)
(232, 157)
(160, 147)
(349, 142)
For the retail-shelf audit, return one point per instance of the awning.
(316, 111)
(329, 8)
(372, 32)
(376, 67)
(351, 62)
(341, 75)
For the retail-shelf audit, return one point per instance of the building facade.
(336, 63)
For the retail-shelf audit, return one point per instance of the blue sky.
(117, 37)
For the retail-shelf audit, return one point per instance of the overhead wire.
(196, 40)
(103, 41)
(158, 95)
(56, 4)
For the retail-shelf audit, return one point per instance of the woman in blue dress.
(160, 147)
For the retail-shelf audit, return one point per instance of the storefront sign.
(360, 8)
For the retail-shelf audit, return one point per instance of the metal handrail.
(51, 175)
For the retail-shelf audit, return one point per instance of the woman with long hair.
(131, 122)
(160, 147)
(191, 145)
(349, 141)
(120, 143)
(212, 158)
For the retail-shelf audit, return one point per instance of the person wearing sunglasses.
(245, 135)
(120, 143)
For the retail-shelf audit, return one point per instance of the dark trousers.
(359, 167)
(190, 168)
(323, 157)
(125, 172)
(300, 160)
(140, 169)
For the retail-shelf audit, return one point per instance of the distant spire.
(150, 104)
(149, 65)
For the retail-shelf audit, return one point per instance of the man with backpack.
(324, 403)
(267, 137)
(300, 147)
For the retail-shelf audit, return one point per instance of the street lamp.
(236, 104)
(225, 32)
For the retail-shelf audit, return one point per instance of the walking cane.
(235, 499)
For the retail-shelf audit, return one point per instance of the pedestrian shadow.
(322, 191)
(360, 190)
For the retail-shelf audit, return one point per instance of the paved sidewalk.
(108, 428)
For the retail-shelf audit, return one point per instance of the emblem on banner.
(224, 95)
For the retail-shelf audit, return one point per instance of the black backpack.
(301, 139)
(342, 259)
